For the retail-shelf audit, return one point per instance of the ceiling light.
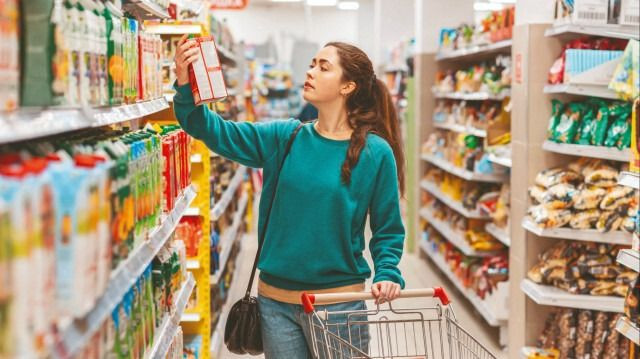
(322, 2)
(348, 5)
(485, 6)
(286, 0)
(503, 1)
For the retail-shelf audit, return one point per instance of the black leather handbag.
(243, 331)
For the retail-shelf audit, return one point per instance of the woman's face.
(324, 78)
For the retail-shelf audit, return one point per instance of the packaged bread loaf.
(611, 344)
(567, 341)
(589, 197)
(619, 197)
(585, 219)
(560, 196)
(603, 176)
(551, 177)
(549, 218)
(585, 334)
(609, 221)
(600, 331)
(538, 193)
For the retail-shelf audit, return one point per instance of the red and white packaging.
(205, 74)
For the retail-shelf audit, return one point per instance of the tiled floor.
(418, 273)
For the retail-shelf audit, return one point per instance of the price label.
(228, 4)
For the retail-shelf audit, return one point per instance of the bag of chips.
(567, 128)
(556, 110)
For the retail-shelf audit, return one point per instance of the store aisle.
(418, 273)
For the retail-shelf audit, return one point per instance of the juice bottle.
(114, 33)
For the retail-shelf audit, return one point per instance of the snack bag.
(569, 123)
(599, 131)
(205, 74)
(620, 129)
(557, 107)
(588, 123)
(626, 79)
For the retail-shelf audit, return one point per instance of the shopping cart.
(388, 333)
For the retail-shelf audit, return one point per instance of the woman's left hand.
(385, 291)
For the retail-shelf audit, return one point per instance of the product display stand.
(535, 48)
(494, 308)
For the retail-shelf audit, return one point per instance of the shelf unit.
(476, 50)
(628, 329)
(493, 310)
(78, 333)
(587, 235)
(450, 202)
(629, 179)
(145, 9)
(463, 173)
(220, 207)
(582, 90)
(629, 258)
(454, 237)
(472, 96)
(577, 30)
(229, 237)
(548, 295)
(460, 129)
(32, 123)
(169, 327)
(196, 320)
(499, 233)
(502, 161)
(605, 153)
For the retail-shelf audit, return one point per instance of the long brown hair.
(370, 110)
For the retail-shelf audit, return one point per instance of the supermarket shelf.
(173, 29)
(502, 161)
(230, 236)
(494, 319)
(629, 179)
(190, 317)
(145, 10)
(587, 235)
(615, 31)
(581, 89)
(456, 238)
(451, 203)
(628, 329)
(474, 96)
(31, 123)
(475, 50)
(548, 295)
(164, 336)
(499, 233)
(605, 153)
(463, 173)
(629, 258)
(461, 129)
(78, 333)
(227, 196)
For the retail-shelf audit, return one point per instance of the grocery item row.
(584, 195)
(493, 77)
(111, 186)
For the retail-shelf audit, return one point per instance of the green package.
(115, 58)
(567, 128)
(603, 119)
(620, 128)
(557, 107)
(38, 37)
(587, 126)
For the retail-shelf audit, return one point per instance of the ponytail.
(370, 110)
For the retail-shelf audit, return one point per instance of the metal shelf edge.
(552, 296)
(588, 235)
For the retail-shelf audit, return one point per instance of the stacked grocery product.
(584, 54)
(573, 333)
(222, 34)
(480, 275)
(583, 268)
(107, 187)
(492, 77)
(279, 98)
(594, 122)
(583, 196)
(596, 13)
(97, 57)
(495, 27)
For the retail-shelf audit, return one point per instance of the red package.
(205, 74)
(168, 174)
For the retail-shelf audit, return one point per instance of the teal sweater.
(315, 238)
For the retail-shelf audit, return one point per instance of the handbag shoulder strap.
(266, 222)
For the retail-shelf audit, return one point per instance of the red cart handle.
(309, 300)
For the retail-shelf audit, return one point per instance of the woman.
(347, 164)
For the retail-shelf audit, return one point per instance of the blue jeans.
(286, 332)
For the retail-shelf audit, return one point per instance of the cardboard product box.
(592, 12)
(205, 74)
(630, 12)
